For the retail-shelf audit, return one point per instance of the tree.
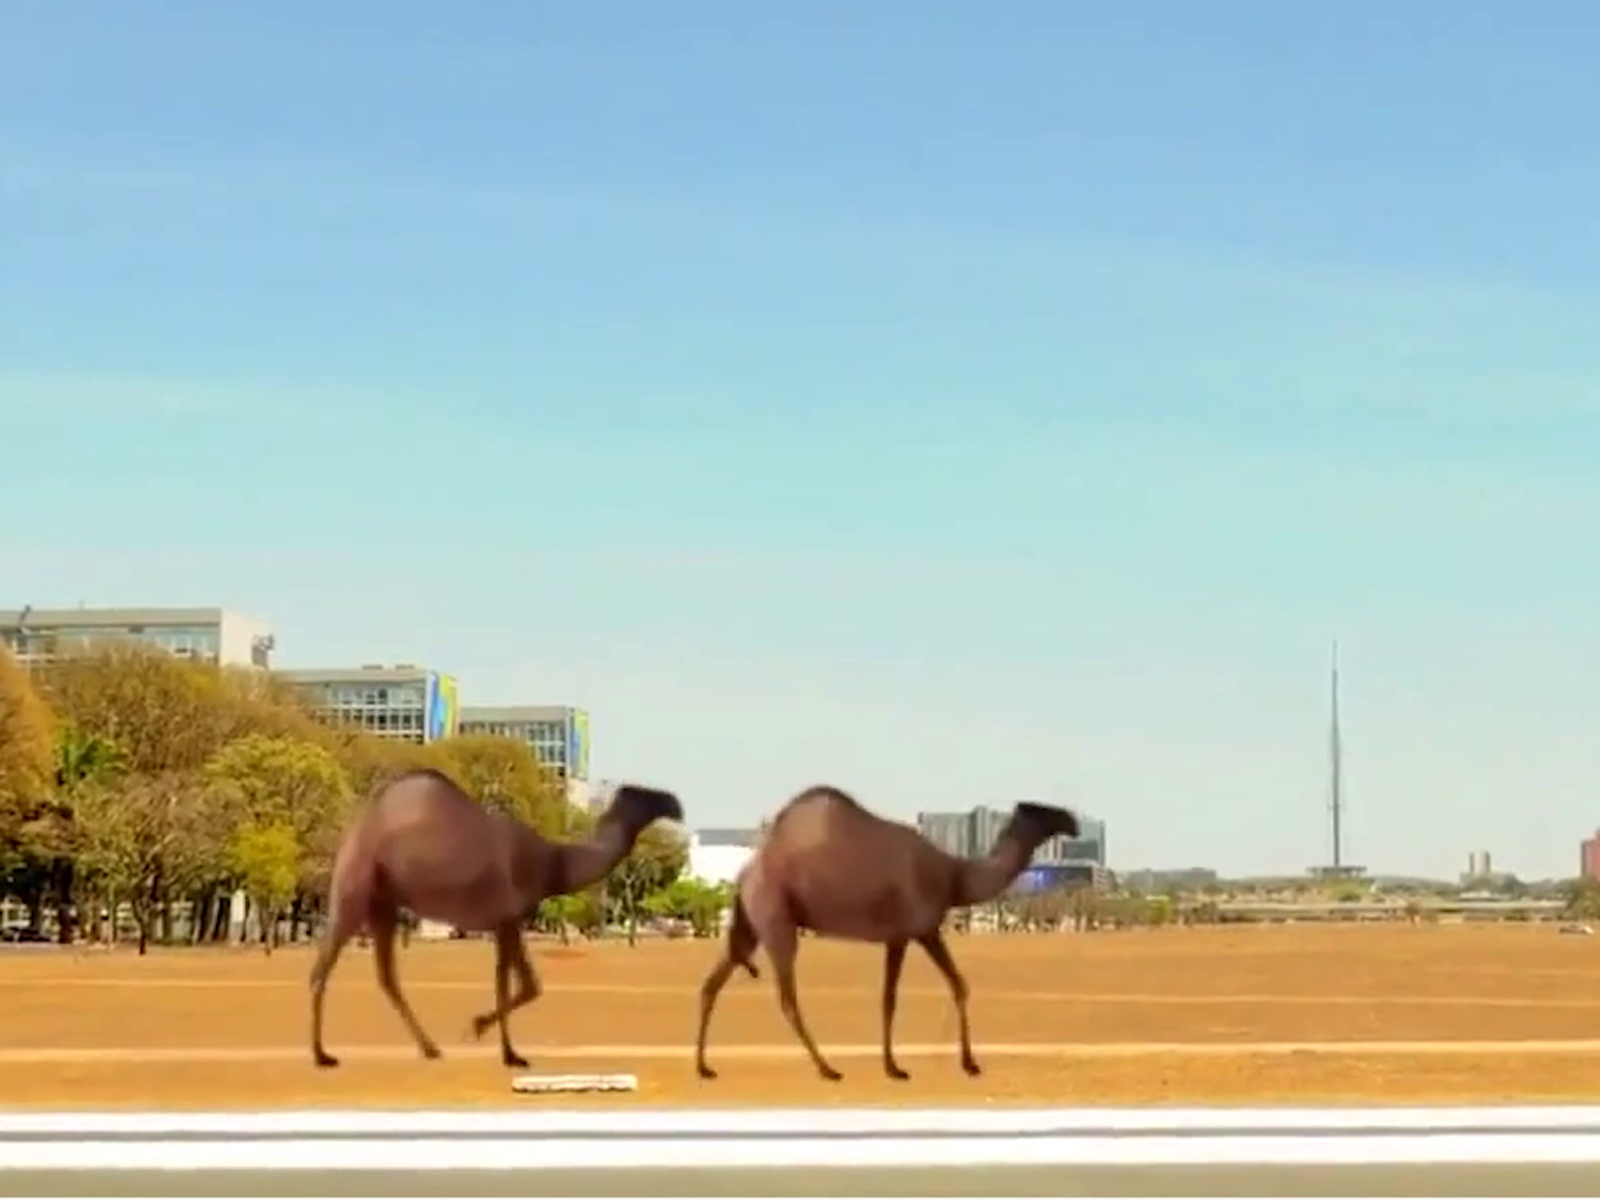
(658, 858)
(259, 784)
(371, 761)
(1086, 908)
(267, 862)
(27, 753)
(570, 911)
(143, 839)
(1583, 899)
(164, 713)
(82, 760)
(255, 701)
(502, 773)
(694, 900)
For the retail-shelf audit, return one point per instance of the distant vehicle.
(21, 933)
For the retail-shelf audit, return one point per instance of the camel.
(830, 866)
(423, 844)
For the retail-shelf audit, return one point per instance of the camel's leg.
(894, 958)
(740, 946)
(933, 943)
(782, 947)
(510, 955)
(343, 921)
(383, 935)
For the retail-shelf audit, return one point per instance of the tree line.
(131, 777)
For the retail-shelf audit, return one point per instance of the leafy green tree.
(143, 840)
(697, 901)
(266, 783)
(82, 760)
(658, 858)
(580, 911)
(267, 862)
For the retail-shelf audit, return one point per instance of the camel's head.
(1036, 823)
(637, 806)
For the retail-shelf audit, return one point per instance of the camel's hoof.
(829, 1074)
(895, 1072)
(479, 1027)
(706, 1072)
(324, 1060)
(971, 1067)
(512, 1059)
(430, 1051)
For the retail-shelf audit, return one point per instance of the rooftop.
(727, 837)
(98, 618)
(513, 714)
(368, 673)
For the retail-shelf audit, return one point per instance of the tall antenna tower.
(1336, 767)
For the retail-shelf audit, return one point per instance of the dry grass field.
(1235, 1015)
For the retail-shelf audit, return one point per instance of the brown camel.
(830, 866)
(423, 844)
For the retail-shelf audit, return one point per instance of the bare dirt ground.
(1181, 1016)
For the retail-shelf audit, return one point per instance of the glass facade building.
(558, 734)
(403, 703)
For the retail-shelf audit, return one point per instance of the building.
(1171, 879)
(1589, 857)
(1060, 860)
(1480, 873)
(557, 733)
(403, 702)
(212, 635)
(718, 855)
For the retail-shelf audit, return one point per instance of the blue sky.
(956, 403)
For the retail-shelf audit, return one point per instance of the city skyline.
(183, 629)
(806, 414)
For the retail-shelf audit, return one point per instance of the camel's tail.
(742, 939)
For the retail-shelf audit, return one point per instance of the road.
(1484, 1151)
(1510, 1179)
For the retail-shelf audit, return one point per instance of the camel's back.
(429, 835)
(844, 866)
(821, 816)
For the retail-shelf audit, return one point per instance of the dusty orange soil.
(1057, 1019)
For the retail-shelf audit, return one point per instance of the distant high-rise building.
(1589, 857)
(973, 833)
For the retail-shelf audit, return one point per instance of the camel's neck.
(587, 863)
(982, 879)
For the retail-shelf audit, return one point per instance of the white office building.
(214, 635)
(718, 855)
